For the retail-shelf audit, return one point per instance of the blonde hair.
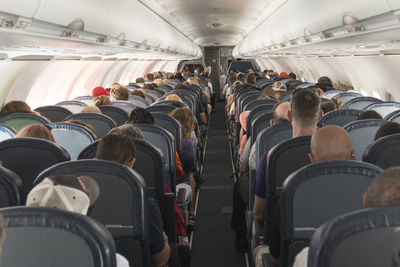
(36, 130)
(102, 100)
(159, 82)
(91, 109)
(185, 117)
(16, 106)
(337, 101)
(193, 81)
(236, 83)
(174, 97)
(119, 92)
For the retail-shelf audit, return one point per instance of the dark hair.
(138, 93)
(369, 114)
(140, 115)
(251, 78)
(116, 147)
(149, 77)
(328, 106)
(384, 190)
(292, 76)
(139, 80)
(119, 92)
(305, 106)
(387, 129)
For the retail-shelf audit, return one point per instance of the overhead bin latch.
(103, 39)
(74, 29)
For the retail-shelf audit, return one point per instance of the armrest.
(266, 261)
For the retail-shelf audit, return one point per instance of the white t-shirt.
(301, 258)
(122, 261)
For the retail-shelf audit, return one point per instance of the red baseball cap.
(98, 91)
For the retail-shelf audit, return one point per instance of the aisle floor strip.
(246, 255)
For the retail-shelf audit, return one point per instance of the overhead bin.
(125, 24)
(302, 20)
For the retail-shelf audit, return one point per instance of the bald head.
(280, 113)
(331, 143)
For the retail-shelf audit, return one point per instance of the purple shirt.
(188, 155)
(258, 187)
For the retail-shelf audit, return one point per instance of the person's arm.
(258, 208)
(161, 258)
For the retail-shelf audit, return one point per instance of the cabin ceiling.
(214, 22)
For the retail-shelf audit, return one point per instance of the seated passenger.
(36, 130)
(188, 151)
(127, 130)
(121, 149)
(387, 129)
(102, 100)
(91, 109)
(99, 91)
(324, 83)
(174, 97)
(279, 88)
(369, 114)
(383, 191)
(138, 93)
(53, 192)
(140, 115)
(328, 143)
(119, 92)
(84, 124)
(292, 76)
(16, 106)
(304, 114)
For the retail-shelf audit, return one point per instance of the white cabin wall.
(42, 83)
(373, 75)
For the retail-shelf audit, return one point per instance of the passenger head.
(117, 148)
(159, 82)
(148, 86)
(36, 130)
(149, 77)
(185, 117)
(280, 113)
(279, 88)
(127, 130)
(16, 106)
(328, 106)
(384, 190)
(331, 143)
(84, 124)
(138, 93)
(174, 97)
(305, 108)
(235, 84)
(324, 83)
(251, 79)
(65, 192)
(91, 109)
(268, 91)
(140, 115)
(283, 75)
(240, 77)
(292, 76)
(119, 92)
(102, 100)
(140, 80)
(193, 81)
(337, 100)
(99, 91)
(369, 114)
(387, 129)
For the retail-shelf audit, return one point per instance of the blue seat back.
(339, 117)
(283, 159)
(89, 152)
(345, 97)
(88, 100)
(362, 133)
(161, 108)
(383, 151)
(171, 125)
(38, 232)
(383, 107)
(243, 96)
(285, 96)
(171, 103)
(119, 115)
(101, 123)
(10, 188)
(367, 237)
(255, 113)
(393, 116)
(6, 132)
(331, 93)
(54, 113)
(19, 120)
(72, 105)
(121, 206)
(316, 193)
(125, 105)
(259, 102)
(138, 101)
(248, 99)
(260, 124)
(72, 137)
(165, 142)
(361, 102)
(27, 157)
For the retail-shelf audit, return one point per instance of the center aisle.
(213, 238)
